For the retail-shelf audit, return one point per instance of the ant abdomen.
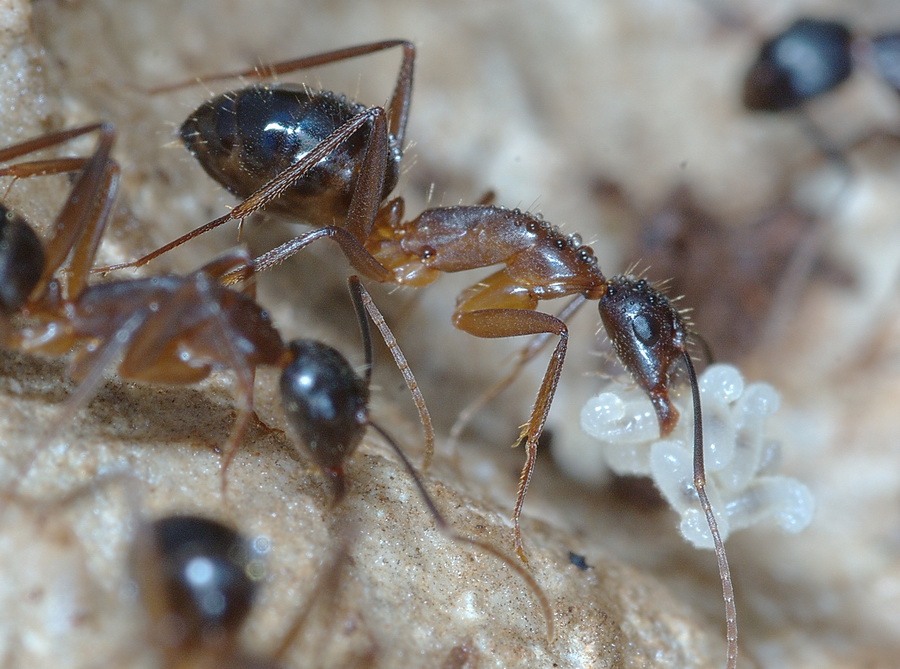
(648, 335)
(194, 577)
(326, 404)
(246, 138)
(808, 59)
(21, 261)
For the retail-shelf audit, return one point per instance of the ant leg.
(700, 487)
(148, 353)
(362, 301)
(326, 583)
(45, 141)
(361, 205)
(447, 530)
(360, 259)
(512, 322)
(523, 357)
(102, 358)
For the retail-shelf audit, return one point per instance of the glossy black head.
(245, 138)
(194, 580)
(326, 403)
(886, 54)
(808, 59)
(648, 335)
(21, 261)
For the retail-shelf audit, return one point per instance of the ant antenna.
(731, 630)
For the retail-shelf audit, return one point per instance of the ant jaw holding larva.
(648, 335)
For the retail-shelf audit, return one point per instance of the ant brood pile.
(741, 459)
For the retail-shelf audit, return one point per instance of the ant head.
(808, 59)
(648, 335)
(326, 404)
(194, 580)
(21, 261)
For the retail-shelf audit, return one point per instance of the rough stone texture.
(541, 103)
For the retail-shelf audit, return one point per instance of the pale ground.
(539, 102)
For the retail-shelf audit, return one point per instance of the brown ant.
(167, 329)
(648, 334)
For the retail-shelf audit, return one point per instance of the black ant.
(811, 58)
(198, 582)
(539, 263)
(179, 329)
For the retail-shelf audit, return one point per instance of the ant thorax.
(741, 458)
(536, 254)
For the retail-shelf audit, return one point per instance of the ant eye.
(644, 330)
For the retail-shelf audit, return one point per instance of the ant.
(167, 329)
(812, 57)
(540, 263)
(179, 329)
(198, 582)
